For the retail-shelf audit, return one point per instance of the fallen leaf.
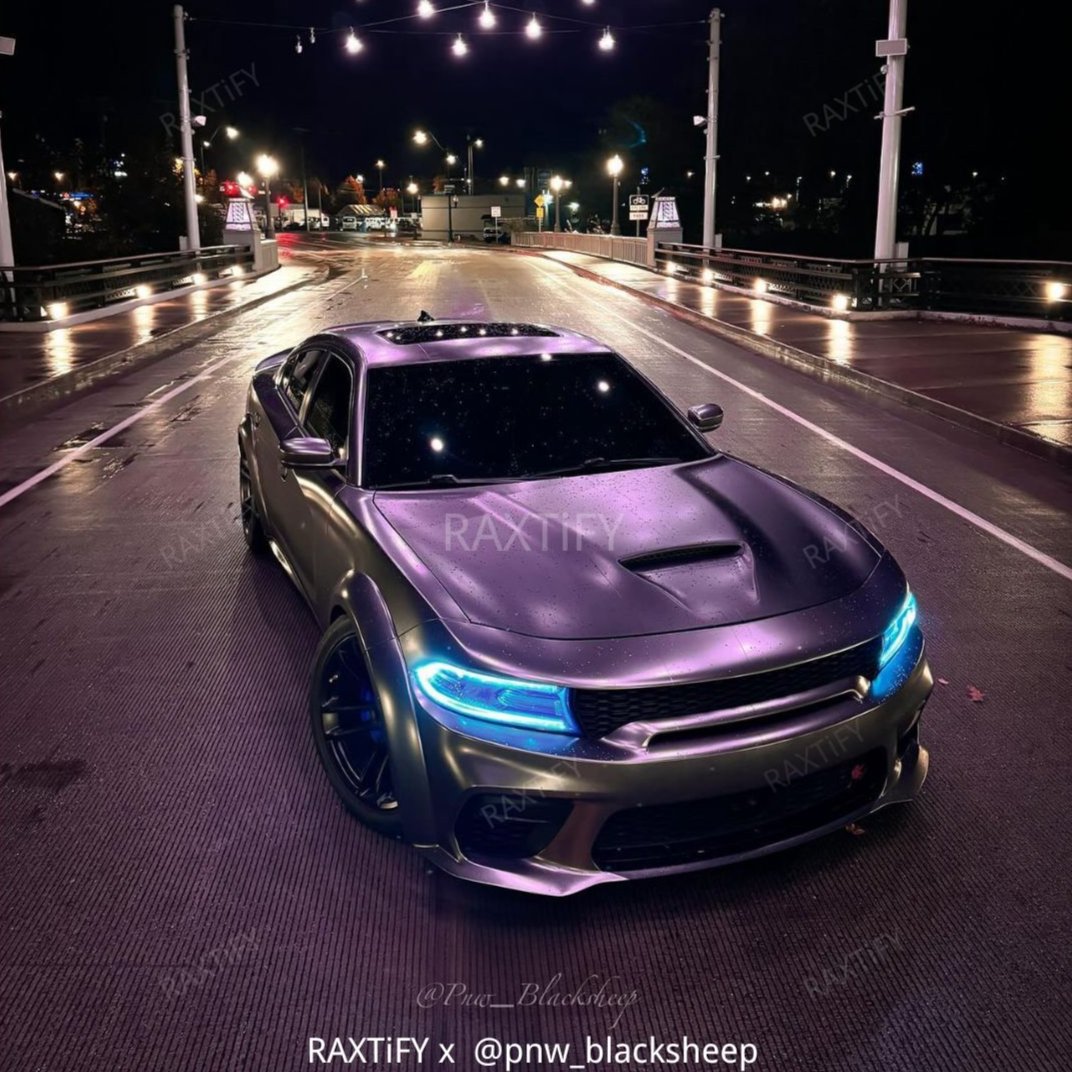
(855, 829)
(975, 695)
(942, 681)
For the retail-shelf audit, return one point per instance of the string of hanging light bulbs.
(492, 18)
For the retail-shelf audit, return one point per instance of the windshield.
(513, 418)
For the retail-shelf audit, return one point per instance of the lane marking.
(108, 433)
(962, 512)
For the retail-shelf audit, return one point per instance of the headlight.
(508, 701)
(897, 630)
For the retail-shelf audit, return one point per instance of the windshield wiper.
(597, 465)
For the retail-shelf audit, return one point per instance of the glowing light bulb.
(533, 30)
(353, 44)
(487, 18)
(426, 9)
(606, 42)
(459, 48)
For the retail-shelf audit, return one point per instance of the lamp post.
(380, 165)
(206, 143)
(894, 48)
(412, 189)
(614, 169)
(556, 188)
(189, 192)
(471, 144)
(266, 168)
(714, 47)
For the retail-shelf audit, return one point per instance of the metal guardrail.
(613, 247)
(51, 292)
(1040, 289)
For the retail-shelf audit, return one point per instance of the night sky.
(990, 94)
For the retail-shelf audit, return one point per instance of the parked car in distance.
(348, 223)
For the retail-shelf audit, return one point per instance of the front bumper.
(606, 811)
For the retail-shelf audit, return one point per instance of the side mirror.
(707, 416)
(306, 452)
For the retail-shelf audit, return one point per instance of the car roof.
(406, 342)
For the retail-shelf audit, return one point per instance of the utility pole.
(894, 49)
(7, 249)
(711, 159)
(193, 235)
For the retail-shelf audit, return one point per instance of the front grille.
(511, 825)
(602, 711)
(673, 835)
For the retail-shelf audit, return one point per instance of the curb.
(822, 369)
(32, 400)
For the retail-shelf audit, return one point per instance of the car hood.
(633, 552)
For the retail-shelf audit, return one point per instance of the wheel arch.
(360, 599)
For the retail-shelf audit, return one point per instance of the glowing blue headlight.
(897, 630)
(509, 701)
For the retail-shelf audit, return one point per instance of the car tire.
(348, 730)
(252, 526)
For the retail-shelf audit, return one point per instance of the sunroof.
(417, 333)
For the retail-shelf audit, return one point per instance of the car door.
(283, 401)
(327, 414)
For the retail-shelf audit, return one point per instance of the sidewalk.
(37, 368)
(1010, 383)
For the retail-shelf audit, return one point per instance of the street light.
(557, 182)
(504, 180)
(266, 168)
(381, 165)
(471, 144)
(614, 169)
(231, 132)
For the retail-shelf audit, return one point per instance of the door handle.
(256, 420)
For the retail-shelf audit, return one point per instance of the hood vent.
(681, 556)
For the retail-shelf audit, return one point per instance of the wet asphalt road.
(181, 891)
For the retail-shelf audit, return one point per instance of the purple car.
(566, 640)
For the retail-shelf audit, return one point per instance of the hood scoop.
(681, 556)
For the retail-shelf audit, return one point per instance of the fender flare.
(361, 600)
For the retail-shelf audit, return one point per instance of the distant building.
(466, 214)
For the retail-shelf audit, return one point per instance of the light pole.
(7, 250)
(711, 157)
(412, 189)
(471, 144)
(189, 191)
(206, 143)
(894, 49)
(380, 165)
(266, 168)
(614, 168)
(556, 188)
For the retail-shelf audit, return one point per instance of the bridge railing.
(52, 292)
(614, 247)
(1038, 289)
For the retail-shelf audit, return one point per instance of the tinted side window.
(298, 374)
(328, 416)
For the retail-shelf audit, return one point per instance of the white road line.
(970, 516)
(962, 512)
(96, 441)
